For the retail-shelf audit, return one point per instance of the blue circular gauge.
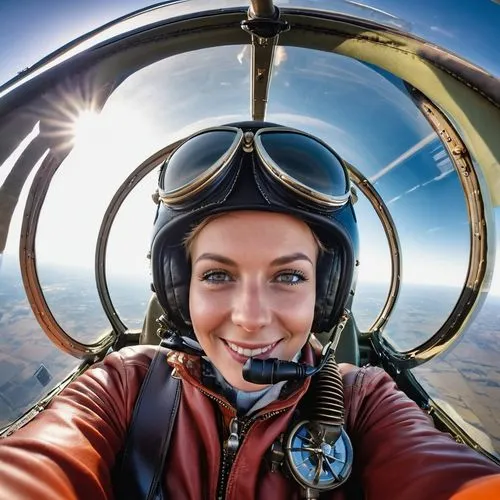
(317, 458)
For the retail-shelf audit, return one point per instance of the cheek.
(206, 309)
(302, 317)
(298, 309)
(296, 318)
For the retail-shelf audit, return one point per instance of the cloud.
(401, 158)
(307, 122)
(414, 188)
(394, 199)
(441, 31)
(439, 177)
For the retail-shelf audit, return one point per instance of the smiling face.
(253, 289)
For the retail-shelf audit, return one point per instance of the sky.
(60, 21)
(149, 110)
(31, 29)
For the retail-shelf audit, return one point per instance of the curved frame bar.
(156, 159)
(454, 324)
(27, 72)
(367, 188)
(44, 175)
(27, 261)
(109, 216)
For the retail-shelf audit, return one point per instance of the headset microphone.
(273, 370)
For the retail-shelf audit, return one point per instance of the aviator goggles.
(301, 163)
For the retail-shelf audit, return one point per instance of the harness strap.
(149, 433)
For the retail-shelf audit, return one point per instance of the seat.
(348, 346)
(150, 326)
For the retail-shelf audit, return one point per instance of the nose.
(251, 310)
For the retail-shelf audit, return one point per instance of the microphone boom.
(273, 370)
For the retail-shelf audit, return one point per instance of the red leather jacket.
(68, 451)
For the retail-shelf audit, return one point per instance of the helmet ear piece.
(171, 278)
(329, 303)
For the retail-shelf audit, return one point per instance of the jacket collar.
(190, 367)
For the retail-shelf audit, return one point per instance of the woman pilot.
(254, 247)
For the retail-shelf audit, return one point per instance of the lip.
(242, 359)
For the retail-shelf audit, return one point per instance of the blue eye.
(291, 277)
(216, 276)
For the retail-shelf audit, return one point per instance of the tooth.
(249, 352)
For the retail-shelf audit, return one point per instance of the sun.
(86, 127)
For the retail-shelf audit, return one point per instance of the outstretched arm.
(68, 451)
(399, 454)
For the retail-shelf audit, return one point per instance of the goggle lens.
(306, 161)
(195, 158)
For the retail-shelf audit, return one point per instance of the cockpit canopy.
(412, 108)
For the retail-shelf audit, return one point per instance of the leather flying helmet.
(254, 166)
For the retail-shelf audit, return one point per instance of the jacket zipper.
(229, 448)
(236, 436)
(237, 432)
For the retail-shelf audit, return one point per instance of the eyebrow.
(285, 259)
(216, 257)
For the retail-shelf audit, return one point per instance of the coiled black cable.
(328, 395)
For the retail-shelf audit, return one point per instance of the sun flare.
(86, 127)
